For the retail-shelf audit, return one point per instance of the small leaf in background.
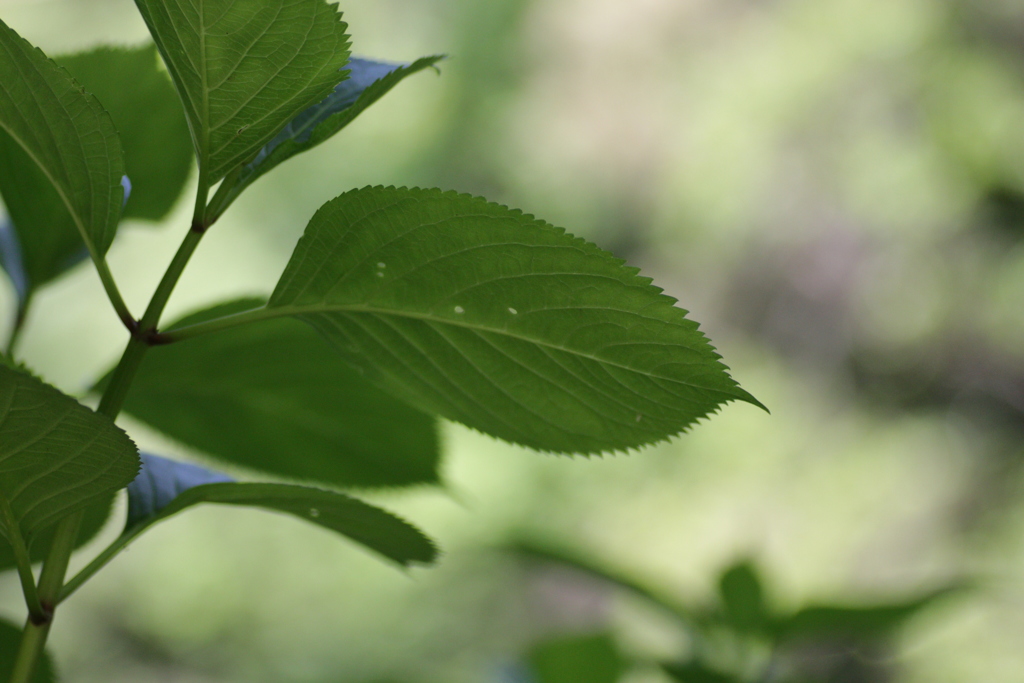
(149, 119)
(160, 481)
(500, 321)
(10, 639)
(370, 526)
(56, 455)
(592, 658)
(743, 598)
(859, 623)
(96, 515)
(245, 69)
(275, 397)
(695, 672)
(367, 82)
(70, 142)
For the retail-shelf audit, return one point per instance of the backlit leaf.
(367, 82)
(274, 396)
(56, 455)
(60, 160)
(245, 69)
(500, 321)
(149, 119)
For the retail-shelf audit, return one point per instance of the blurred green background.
(833, 188)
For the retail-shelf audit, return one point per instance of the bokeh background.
(833, 188)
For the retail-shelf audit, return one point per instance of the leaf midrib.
(277, 311)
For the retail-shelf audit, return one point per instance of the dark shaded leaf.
(10, 639)
(592, 658)
(502, 322)
(275, 397)
(743, 598)
(149, 119)
(367, 82)
(370, 526)
(245, 69)
(56, 455)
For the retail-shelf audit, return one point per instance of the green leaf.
(63, 135)
(368, 81)
(743, 598)
(44, 240)
(96, 515)
(10, 640)
(500, 321)
(245, 69)
(696, 672)
(856, 622)
(56, 455)
(275, 397)
(593, 658)
(149, 119)
(370, 526)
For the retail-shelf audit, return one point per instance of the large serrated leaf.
(275, 397)
(245, 69)
(165, 487)
(47, 119)
(500, 321)
(56, 455)
(10, 640)
(368, 81)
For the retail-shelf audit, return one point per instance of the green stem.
(19, 324)
(33, 642)
(110, 287)
(99, 562)
(51, 579)
(24, 562)
(224, 323)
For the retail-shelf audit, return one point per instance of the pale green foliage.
(501, 321)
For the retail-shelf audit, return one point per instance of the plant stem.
(23, 561)
(51, 579)
(33, 641)
(19, 324)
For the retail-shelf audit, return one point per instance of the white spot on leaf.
(639, 417)
(513, 311)
(460, 310)
(381, 264)
(313, 512)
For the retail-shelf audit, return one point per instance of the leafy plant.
(741, 637)
(397, 306)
